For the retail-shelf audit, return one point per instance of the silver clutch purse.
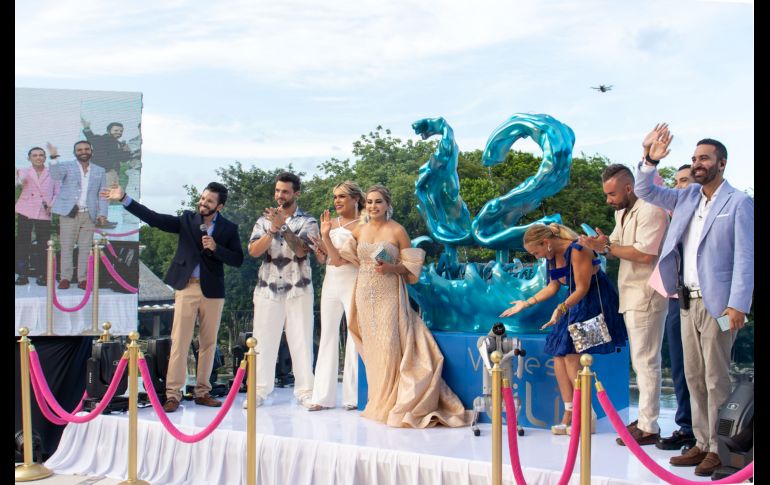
(589, 333)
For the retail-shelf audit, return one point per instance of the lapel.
(689, 207)
(218, 227)
(725, 192)
(196, 230)
(38, 181)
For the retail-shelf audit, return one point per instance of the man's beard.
(708, 176)
(204, 211)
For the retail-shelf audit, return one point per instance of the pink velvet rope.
(513, 445)
(42, 404)
(122, 234)
(37, 372)
(659, 471)
(111, 249)
(158, 407)
(89, 286)
(111, 270)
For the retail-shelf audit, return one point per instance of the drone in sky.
(602, 88)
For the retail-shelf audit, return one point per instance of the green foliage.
(668, 174)
(159, 248)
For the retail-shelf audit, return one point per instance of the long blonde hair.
(540, 232)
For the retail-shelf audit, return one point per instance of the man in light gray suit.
(79, 207)
(714, 223)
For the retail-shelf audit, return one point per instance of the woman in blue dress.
(590, 293)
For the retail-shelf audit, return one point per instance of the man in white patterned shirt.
(283, 296)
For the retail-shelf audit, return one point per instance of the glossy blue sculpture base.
(541, 403)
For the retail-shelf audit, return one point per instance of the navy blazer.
(189, 251)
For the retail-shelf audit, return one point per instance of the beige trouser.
(645, 338)
(188, 304)
(270, 318)
(81, 229)
(706, 351)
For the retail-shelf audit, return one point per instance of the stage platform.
(298, 447)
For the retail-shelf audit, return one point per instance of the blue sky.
(268, 83)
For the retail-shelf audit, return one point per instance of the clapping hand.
(276, 217)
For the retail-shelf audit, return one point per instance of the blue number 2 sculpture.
(469, 297)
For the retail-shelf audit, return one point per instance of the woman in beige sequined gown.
(403, 363)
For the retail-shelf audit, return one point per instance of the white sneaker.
(260, 401)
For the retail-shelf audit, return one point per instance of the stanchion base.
(134, 482)
(35, 471)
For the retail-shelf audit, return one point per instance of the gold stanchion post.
(497, 419)
(96, 254)
(585, 419)
(251, 413)
(133, 395)
(50, 280)
(106, 334)
(27, 471)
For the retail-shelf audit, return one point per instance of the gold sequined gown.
(403, 362)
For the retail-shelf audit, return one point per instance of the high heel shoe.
(594, 419)
(561, 428)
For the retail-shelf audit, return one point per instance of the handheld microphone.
(205, 232)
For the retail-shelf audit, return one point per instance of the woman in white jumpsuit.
(336, 296)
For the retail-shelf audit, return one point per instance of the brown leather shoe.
(171, 405)
(632, 425)
(82, 285)
(640, 438)
(207, 400)
(64, 284)
(693, 457)
(708, 465)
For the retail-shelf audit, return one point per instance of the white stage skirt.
(120, 309)
(298, 447)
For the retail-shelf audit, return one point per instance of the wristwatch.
(607, 247)
(283, 228)
(651, 161)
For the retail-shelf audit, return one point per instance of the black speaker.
(157, 355)
(735, 428)
(101, 366)
(100, 370)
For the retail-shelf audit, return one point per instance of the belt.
(696, 294)
(194, 280)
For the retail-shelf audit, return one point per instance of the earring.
(366, 218)
(550, 251)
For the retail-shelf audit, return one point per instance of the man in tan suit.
(639, 231)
